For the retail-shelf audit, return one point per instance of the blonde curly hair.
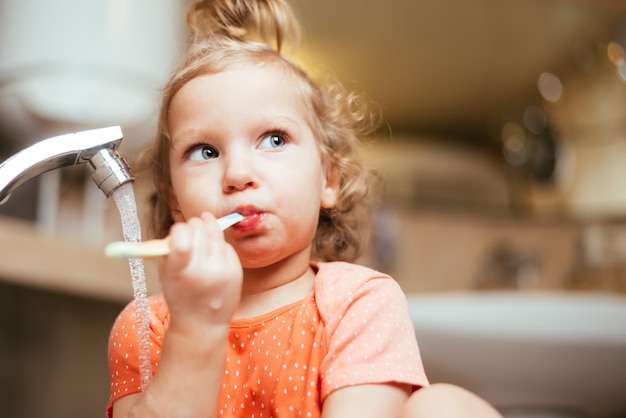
(222, 31)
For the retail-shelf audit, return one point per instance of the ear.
(330, 190)
(172, 204)
(177, 215)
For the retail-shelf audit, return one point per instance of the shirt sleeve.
(124, 348)
(370, 336)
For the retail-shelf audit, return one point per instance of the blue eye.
(203, 153)
(273, 140)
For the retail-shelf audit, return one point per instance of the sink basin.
(535, 351)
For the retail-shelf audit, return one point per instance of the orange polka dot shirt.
(354, 328)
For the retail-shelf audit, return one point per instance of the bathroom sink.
(534, 351)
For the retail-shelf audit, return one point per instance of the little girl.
(269, 318)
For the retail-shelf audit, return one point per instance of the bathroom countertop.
(29, 257)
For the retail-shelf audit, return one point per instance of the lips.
(250, 223)
(254, 217)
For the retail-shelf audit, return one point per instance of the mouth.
(253, 218)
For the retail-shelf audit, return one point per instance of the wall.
(443, 251)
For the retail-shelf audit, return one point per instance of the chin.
(257, 259)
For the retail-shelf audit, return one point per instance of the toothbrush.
(158, 247)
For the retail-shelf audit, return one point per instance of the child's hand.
(201, 277)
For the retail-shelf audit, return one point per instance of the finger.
(181, 241)
(210, 222)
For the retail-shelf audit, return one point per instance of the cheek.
(302, 198)
(193, 195)
(300, 218)
(304, 179)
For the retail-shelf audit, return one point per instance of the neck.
(279, 284)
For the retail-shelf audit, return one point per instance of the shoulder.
(159, 315)
(368, 332)
(345, 274)
(339, 284)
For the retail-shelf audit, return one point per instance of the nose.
(238, 172)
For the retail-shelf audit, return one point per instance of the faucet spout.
(110, 170)
(97, 147)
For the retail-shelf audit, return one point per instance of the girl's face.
(240, 143)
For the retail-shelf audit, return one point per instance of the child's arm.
(366, 401)
(201, 281)
(443, 400)
(391, 401)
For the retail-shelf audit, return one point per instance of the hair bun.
(270, 21)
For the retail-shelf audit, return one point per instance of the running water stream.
(124, 198)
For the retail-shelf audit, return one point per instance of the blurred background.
(503, 147)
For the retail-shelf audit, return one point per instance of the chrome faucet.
(97, 147)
